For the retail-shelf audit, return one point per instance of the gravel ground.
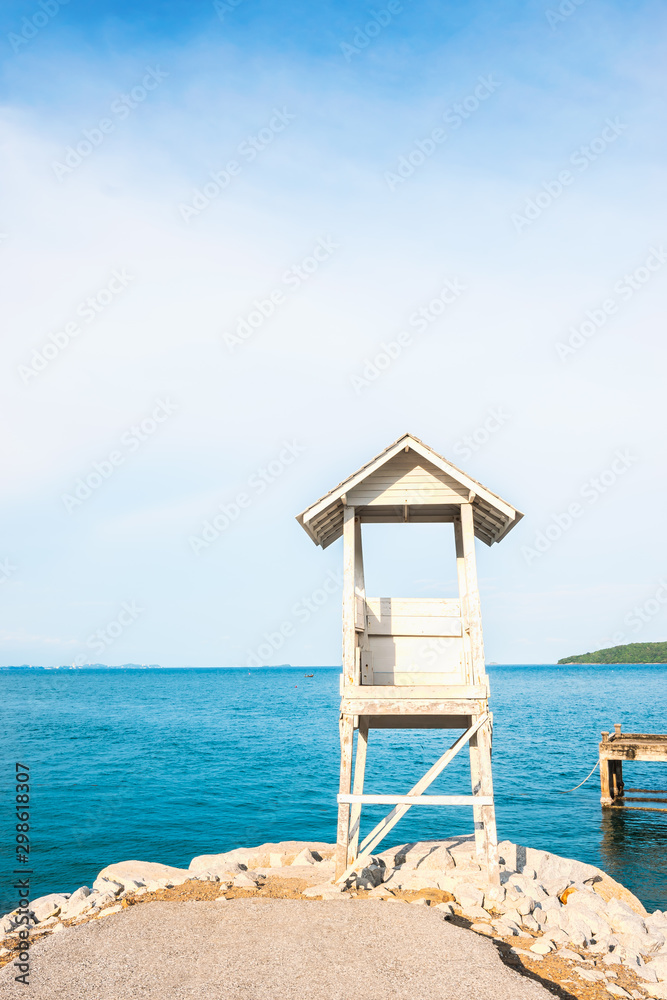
(269, 949)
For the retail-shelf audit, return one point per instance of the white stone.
(419, 902)
(76, 907)
(482, 929)
(111, 909)
(542, 947)
(144, 872)
(627, 923)
(275, 860)
(244, 880)
(530, 923)
(617, 991)
(306, 857)
(439, 859)
(326, 890)
(658, 990)
(570, 956)
(48, 906)
(107, 885)
(467, 895)
(446, 910)
(659, 966)
(476, 913)
(591, 975)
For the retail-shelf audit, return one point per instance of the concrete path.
(269, 949)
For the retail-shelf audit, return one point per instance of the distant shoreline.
(102, 667)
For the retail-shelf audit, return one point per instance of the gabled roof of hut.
(408, 481)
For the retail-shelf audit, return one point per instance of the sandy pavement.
(269, 949)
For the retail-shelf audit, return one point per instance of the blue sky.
(541, 196)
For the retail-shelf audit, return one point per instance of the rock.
(512, 916)
(409, 881)
(264, 856)
(307, 857)
(79, 905)
(476, 913)
(370, 876)
(131, 873)
(617, 991)
(327, 890)
(658, 990)
(614, 958)
(524, 906)
(627, 923)
(445, 909)
(108, 885)
(505, 929)
(99, 899)
(542, 947)
(591, 975)
(48, 906)
(468, 895)
(420, 902)
(482, 929)
(570, 956)
(111, 909)
(530, 923)
(494, 896)
(379, 892)
(438, 859)
(245, 880)
(222, 899)
(659, 966)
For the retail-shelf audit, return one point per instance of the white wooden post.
(474, 613)
(349, 599)
(463, 600)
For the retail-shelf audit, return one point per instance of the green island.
(633, 652)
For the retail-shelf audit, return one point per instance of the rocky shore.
(560, 920)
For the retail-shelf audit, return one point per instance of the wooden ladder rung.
(417, 800)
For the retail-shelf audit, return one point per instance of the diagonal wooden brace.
(392, 818)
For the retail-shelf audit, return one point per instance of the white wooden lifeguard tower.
(412, 663)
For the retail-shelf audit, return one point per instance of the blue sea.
(162, 765)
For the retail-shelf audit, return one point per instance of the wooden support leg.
(346, 745)
(358, 787)
(486, 838)
(605, 781)
(616, 779)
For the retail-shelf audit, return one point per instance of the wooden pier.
(618, 747)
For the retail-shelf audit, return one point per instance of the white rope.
(564, 791)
